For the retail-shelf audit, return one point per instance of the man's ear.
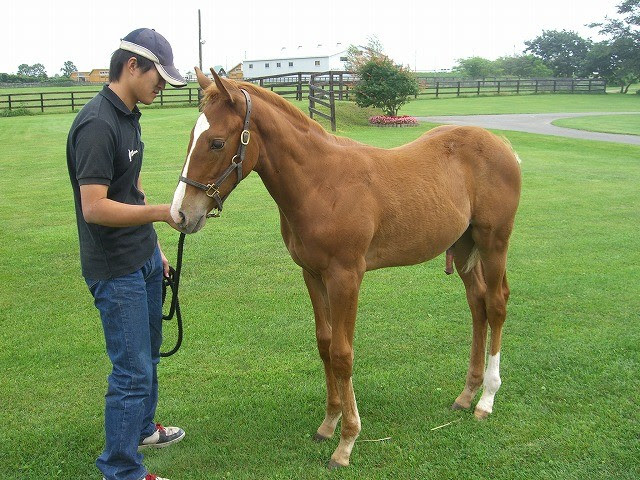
(131, 64)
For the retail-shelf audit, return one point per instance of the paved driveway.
(537, 123)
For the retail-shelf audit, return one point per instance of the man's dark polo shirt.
(104, 147)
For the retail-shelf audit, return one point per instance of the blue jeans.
(131, 311)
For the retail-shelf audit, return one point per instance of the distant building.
(79, 76)
(219, 69)
(236, 72)
(321, 58)
(97, 75)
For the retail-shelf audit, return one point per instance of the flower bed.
(401, 121)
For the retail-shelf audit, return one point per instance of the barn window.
(266, 65)
(278, 64)
(251, 65)
(343, 59)
(291, 64)
(317, 63)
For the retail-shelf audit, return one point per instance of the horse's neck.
(291, 162)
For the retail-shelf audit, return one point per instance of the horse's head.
(219, 154)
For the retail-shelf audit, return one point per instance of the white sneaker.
(162, 437)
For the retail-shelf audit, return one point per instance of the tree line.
(566, 54)
(37, 73)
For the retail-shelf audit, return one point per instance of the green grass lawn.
(626, 124)
(549, 103)
(248, 385)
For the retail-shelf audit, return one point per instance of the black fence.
(74, 100)
(511, 86)
(296, 85)
(341, 83)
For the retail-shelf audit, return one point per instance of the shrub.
(384, 85)
(15, 112)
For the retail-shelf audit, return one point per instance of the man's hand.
(165, 262)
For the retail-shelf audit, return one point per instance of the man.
(120, 256)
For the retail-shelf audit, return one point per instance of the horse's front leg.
(320, 303)
(343, 286)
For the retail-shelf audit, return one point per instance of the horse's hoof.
(481, 414)
(319, 438)
(333, 465)
(457, 406)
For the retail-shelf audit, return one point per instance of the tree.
(68, 68)
(617, 59)
(523, 66)
(384, 85)
(357, 57)
(565, 52)
(37, 71)
(24, 69)
(476, 67)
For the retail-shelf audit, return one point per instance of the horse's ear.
(221, 86)
(202, 79)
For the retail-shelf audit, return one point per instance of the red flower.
(386, 120)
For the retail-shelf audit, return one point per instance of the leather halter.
(213, 189)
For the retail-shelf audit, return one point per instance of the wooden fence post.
(299, 87)
(437, 88)
(332, 101)
(72, 106)
(458, 90)
(479, 87)
(9, 96)
(42, 102)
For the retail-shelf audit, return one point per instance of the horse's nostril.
(181, 215)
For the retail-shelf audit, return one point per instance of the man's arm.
(165, 262)
(98, 209)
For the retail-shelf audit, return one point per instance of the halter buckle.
(245, 136)
(212, 190)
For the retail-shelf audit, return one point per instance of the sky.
(421, 34)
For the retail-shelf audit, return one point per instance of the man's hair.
(120, 57)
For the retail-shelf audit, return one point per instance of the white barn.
(321, 58)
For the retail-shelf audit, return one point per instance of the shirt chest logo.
(131, 154)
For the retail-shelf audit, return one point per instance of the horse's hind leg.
(475, 287)
(492, 245)
(320, 303)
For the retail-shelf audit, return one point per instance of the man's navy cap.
(149, 44)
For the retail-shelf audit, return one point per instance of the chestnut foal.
(346, 208)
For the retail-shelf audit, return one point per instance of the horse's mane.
(280, 103)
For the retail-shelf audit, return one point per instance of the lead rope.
(172, 282)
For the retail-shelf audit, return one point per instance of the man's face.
(147, 85)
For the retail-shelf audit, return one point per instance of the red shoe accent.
(150, 477)
(159, 427)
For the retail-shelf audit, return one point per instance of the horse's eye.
(217, 144)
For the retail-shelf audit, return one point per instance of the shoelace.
(150, 477)
(162, 429)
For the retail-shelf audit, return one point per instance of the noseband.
(213, 189)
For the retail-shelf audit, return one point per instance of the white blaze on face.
(491, 384)
(202, 125)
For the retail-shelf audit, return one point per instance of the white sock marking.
(491, 384)
(202, 125)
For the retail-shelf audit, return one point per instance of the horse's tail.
(508, 144)
(472, 261)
